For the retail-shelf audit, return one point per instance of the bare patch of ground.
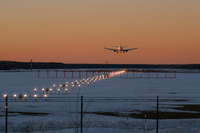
(28, 113)
(192, 111)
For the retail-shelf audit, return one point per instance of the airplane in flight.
(120, 49)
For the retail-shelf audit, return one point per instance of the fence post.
(64, 73)
(174, 74)
(56, 73)
(145, 128)
(6, 107)
(38, 73)
(81, 114)
(157, 114)
(92, 73)
(72, 74)
(47, 73)
(79, 74)
(156, 74)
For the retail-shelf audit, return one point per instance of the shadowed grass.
(190, 114)
(28, 113)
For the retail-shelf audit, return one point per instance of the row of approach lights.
(73, 84)
(25, 96)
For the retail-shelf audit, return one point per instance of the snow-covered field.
(107, 103)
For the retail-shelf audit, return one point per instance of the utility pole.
(77, 115)
(6, 107)
(81, 114)
(157, 114)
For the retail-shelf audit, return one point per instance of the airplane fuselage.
(120, 49)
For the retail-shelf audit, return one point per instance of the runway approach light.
(58, 91)
(50, 91)
(35, 97)
(45, 96)
(43, 91)
(79, 86)
(35, 90)
(5, 96)
(25, 97)
(15, 96)
(54, 87)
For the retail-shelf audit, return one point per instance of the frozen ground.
(108, 104)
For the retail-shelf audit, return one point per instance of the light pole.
(66, 91)
(15, 96)
(25, 97)
(43, 90)
(51, 91)
(35, 90)
(35, 97)
(79, 87)
(54, 87)
(5, 97)
(6, 107)
(45, 96)
(58, 91)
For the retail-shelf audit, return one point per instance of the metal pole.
(174, 74)
(38, 73)
(64, 73)
(157, 114)
(6, 107)
(56, 73)
(47, 73)
(156, 74)
(145, 128)
(81, 114)
(77, 116)
(79, 74)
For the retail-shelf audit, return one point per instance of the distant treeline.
(8, 65)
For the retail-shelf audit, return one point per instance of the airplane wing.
(129, 49)
(111, 49)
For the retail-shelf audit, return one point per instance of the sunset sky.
(76, 31)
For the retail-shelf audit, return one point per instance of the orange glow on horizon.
(165, 32)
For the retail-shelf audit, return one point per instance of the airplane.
(120, 49)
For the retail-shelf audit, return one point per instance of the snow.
(61, 109)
